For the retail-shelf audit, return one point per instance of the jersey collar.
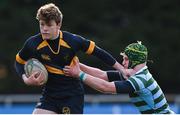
(142, 69)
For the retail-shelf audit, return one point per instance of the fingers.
(72, 70)
(35, 79)
(67, 67)
(35, 74)
(24, 76)
(40, 79)
(66, 71)
(69, 71)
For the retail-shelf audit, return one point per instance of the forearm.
(19, 68)
(99, 84)
(118, 66)
(94, 71)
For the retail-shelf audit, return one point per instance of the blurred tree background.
(112, 24)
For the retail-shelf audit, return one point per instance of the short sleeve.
(124, 87)
(85, 44)
(114, 76)
(25, 53)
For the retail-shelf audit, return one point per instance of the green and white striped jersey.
(148, 96)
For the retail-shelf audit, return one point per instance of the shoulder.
(33, 40)
(72, 36)
(138, 81)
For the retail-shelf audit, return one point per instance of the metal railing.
(31, 98)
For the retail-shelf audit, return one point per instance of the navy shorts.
(67, 105)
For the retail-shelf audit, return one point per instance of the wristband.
(82, 76)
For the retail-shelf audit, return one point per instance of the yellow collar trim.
(45, 43)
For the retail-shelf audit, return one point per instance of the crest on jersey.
(66, 57)
(66, 110)
(45, 57)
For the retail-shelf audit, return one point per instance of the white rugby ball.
(34, 65)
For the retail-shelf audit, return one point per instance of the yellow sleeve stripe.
(41, 45)
(63, 43)
(19, 59)
(58, 71)
(91, 48)
(54, 70)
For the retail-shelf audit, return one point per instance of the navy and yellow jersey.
(55, 54)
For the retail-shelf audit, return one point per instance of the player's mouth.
(46, 35)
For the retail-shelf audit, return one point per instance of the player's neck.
(140, 66)
(56, 36)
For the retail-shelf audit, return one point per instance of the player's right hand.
(36, 79)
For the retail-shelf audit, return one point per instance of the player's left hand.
(128, 73)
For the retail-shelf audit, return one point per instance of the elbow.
(106, 88)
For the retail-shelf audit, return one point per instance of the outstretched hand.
(74, 70)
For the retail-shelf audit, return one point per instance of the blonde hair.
(49, 12)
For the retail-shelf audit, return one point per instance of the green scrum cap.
(136, 53)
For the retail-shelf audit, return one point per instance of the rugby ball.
(34, 65)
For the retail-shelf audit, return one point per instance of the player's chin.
(46, 36)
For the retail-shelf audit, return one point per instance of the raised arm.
(94, 82)
(119, 67)
(105, 86)
(97, 83)
(110, 60)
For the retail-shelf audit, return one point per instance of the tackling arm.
(99, 84)
(92, 49)
(110, 60)
(105, 86)
(94, 71)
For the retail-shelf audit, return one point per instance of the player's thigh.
(42, 111)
